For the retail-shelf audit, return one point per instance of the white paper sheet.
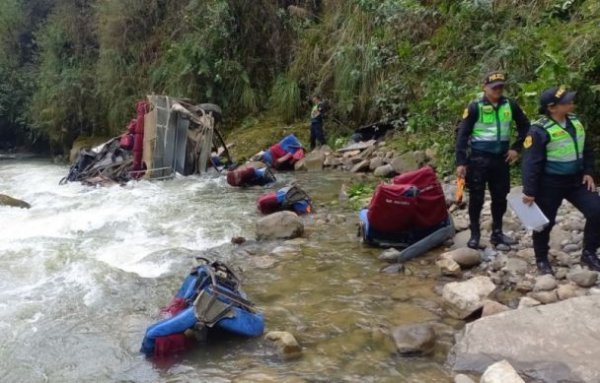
(531, 216)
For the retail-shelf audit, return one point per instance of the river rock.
(515, 266)
(460, 378)
(418, 339)
(545, 283)
(361, 166)
(527, 302)
(492, 308)
(375, 163)
(390, 255)
(384, 171)
(557, 237)
(572, 247)
(392, 269)
(583, 278)
(449, 267)
(501, 372)
(465, 256)
(314, 161)
(464, 298)
(287, 344)
(408, 162)
(553, 343)
(545, 297)
(300, 165)
(332, 161)
(566, 291)
(280, 225)
(6, 200)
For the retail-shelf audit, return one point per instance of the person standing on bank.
(558, 164)
(486, 130)
(316, 123)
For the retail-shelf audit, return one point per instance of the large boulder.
(418, 339)
(501, 372)
(464, 298)
(314, 161)
(408, 162)
(384, 171)
(552, 343)
(281, 225)
(13, 202)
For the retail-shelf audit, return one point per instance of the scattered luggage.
(291, 198)
(410, 213)
(246, 176)
(210, 299)
(284, 154)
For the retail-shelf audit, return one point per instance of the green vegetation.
(75, 67)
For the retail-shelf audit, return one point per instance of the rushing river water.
(85, 271)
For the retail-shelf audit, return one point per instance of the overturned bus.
(168, 136)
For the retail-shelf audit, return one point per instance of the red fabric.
(168, 345)
(267, 203)
(132, 126)
(138, 144)
(240, 176)
(126, 141)
(298, 155)
(176, 305)
(277, 152)
(390, 210)
(431, 202)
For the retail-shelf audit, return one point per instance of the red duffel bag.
(267, 203)
(431, 202)
(393, 208)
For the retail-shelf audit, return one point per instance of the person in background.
(558, 164)
(486, 130)
(316, 123)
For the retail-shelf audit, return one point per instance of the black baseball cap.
(494, 79)
(556, 95)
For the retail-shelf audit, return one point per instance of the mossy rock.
(13, 202)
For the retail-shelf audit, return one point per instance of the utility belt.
(480, 153)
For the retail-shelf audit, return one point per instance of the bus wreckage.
(168, 136)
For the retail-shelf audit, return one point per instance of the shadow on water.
(85, 271)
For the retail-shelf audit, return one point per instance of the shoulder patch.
(528, 142)
(465, 113)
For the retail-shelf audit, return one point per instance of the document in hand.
(530, 215)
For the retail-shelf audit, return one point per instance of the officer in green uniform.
(485, 130)
(558, 164)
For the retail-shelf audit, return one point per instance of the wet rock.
(300, 166)
(238, 240)
(361, 166)
(332, 161)
(527, 302)
(545, 297)
(566, 291)
(384, 171)
(492, 308)
(375, 163)
(287, 344)
(460, 378)
(545, 283)
(280, 225)
(449, 267)
(515, 266)
(418, 339)
(465, 257)
(464, 298)
(390, 255)
(501, 372)
(393, 269)
(556, 342)
(314, 161)
(6, 200)
(583, 278)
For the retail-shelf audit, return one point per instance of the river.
(85, 271)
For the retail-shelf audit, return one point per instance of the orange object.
(460, 189)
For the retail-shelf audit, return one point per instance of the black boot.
(474, 240)
(544, 267)
(498, 238)
(590, 259)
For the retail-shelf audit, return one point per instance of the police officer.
(485, 130)
(316, 123)
(558, 164)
